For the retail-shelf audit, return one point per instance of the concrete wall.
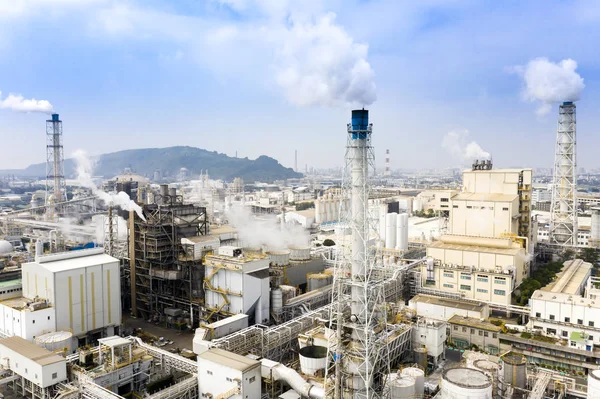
(26, 324)
(484, 218)
(475, 336)
(43, 376)
(218, 379)
(440, 312)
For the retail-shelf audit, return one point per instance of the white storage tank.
(462, 382)
(402, 387)
(595, 228)
(471, 357)
(5, 247)
(419, 376)
(318, 280)
(318, 217)
(299, 253)
(390, 230)
(277, 300)
(402, 232)
(279, 258)
(593, 387)
(58, 341)
(313, 359)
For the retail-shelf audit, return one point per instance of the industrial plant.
(366, 284)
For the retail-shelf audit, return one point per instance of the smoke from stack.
(84, 171)
(457, 144)
(548, 82)
(16, 102)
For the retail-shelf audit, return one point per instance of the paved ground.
(180, 339)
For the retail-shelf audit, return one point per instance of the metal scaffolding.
(55, 168)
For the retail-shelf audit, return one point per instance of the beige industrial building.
(485, 256)
(467, 331)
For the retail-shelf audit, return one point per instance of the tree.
(328, 243)
(429, 212)
(568, 254)
(589, 255)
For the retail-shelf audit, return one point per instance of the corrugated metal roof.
(229, 359)
(77, 263)
(31, 351)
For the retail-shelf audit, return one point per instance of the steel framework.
(55, 168)
(563, 222)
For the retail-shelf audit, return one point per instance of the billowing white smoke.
(549, 82)
(267, 232)
(457, 144)
(16, 102)
(320, 64)
(84, 170)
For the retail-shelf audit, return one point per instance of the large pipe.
(297, 383)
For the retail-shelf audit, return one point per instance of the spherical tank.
(277, 300)
(313, 359)
(390, 230)
(279, 258)
(419, 376)
(514, 367)
(5, 247)
(402, 387)
(56, 341)
(462, 382)
(593, 387)
(299, 253)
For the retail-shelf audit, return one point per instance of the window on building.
(472, 331)
(454, 206)
(469, 207)
(448, 286)
(480, 333)
(448, 274)
(567, 319)
(482, 279)
(465, 287)
(34, 322)
(251, 380)
(485, 334)
(565, 333)
(54, 376)
(465, 276)
(551, 317)
(455, 328)
(591, 323)
(500, 280)
(494, 335)
(505, 209)
(579, 321)
(573, 343)
(48, 317)
(464, 329)
(209, 372)
(538, 314)
(482, 290)
(591, 337)
(25, 371)
(444, 199)
(35, 376)
(500, 292)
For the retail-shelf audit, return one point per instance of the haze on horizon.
(443, 80)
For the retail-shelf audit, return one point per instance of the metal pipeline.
(297, 383)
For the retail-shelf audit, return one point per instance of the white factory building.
(77, 292)
(485, 255)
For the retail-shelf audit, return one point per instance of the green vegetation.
(589, 255)
(540, 278)
(328, 243)
(526, 335)
(425, 214)
(497, 322)
(304, 205)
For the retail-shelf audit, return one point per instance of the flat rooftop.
(477, 248)
(20, 303)
(229, 359)
(31, 351)
(73, 260)
(114, 341)
(448, 302)
(570, 279)
(473, 322)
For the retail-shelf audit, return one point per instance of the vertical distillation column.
(55, 171)
(564, 188)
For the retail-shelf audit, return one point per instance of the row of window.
(480, 278)
(9, 291)
(496, 292)
(481, 333)
(567, 319)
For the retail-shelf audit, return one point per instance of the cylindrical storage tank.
(5, 247)
(288, 292)
(279, 258)
(299, 253)
(318, 217)
(314, 281)
(173, 192)
(462, 382)
(405, 232)
(164, 190)
(390, 230)
(419, 376)
(421, 357)
(313, 359)
(514, 369)
(402, 387)
(252, 251)
(595, 229)
(58, 341)
(593, 387)
(490, 368)
(471, 357)
(39, 248)
(276, 300)
(417, 205)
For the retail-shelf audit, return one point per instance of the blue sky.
(274, 76)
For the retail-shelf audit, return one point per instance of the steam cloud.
(84, 170)
(256, 232)
(320, 64)
(550, 82)
(16, 102)
(456, 143)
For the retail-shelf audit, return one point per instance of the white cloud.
(548, 82)
(16, 102)
(457, 144)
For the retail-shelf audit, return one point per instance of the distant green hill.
(170, 160)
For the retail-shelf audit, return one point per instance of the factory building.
(76, 292)
(485, 256)
(223, 374)
(468, 331)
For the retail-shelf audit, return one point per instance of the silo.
(318, 280)
(421, 357)
(419, 376)
(390, 230)
(405, 229)
(514, 368)
(490, 368)
(329, 210)
(593, 387)
(279, 258)
(58, 341)
(462, 382)
(318, 217)
(313, 359)
(402, 387)
(402, 232)
(595, 229)
(277, 300)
